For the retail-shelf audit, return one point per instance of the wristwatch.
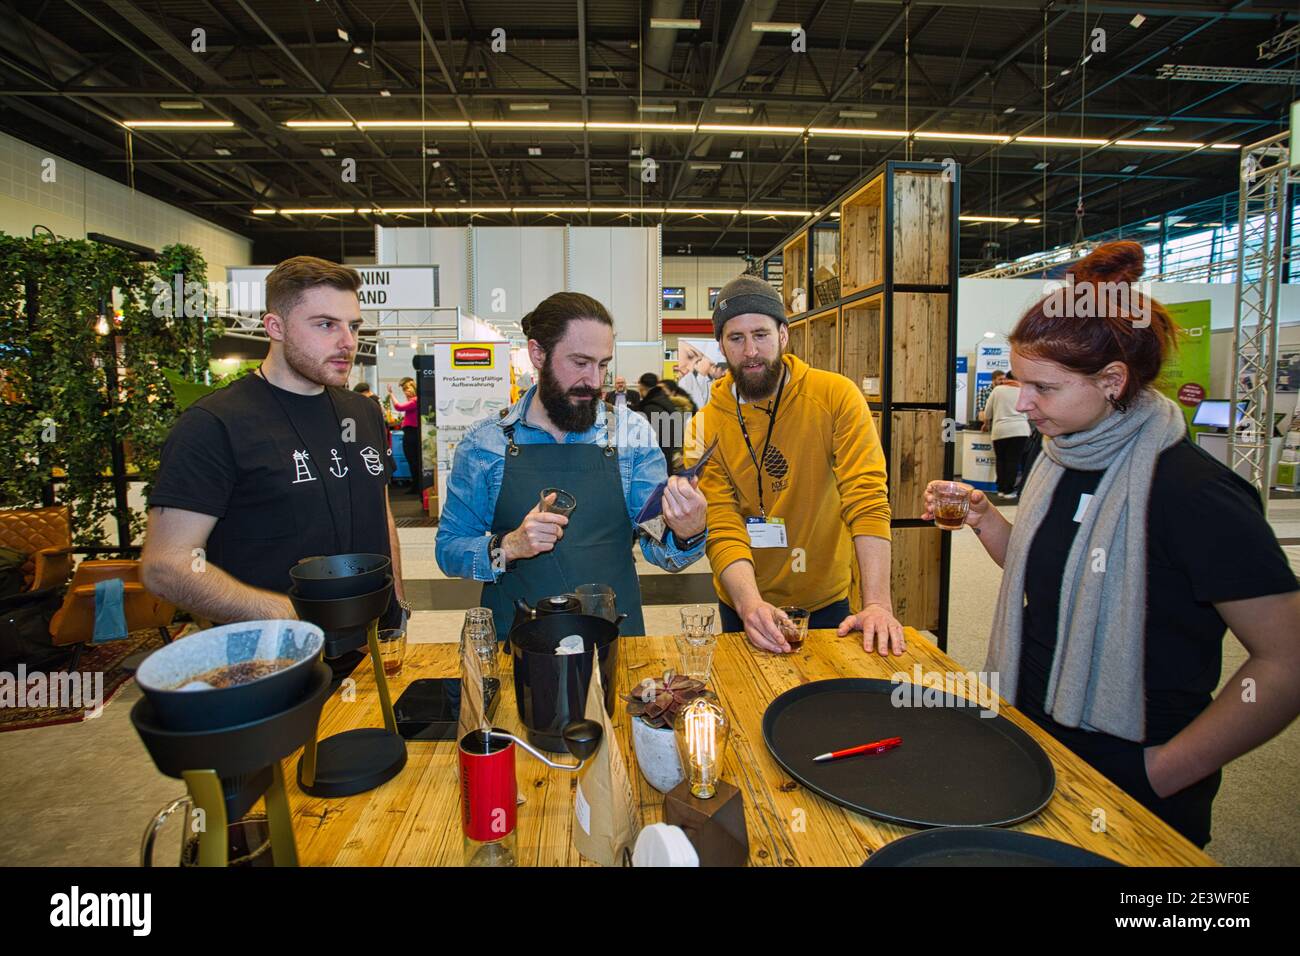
(690, 542)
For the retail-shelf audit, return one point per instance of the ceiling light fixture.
(180, 105)
(1062, 140)
(178, 124)
(412, 124)
(319, 124)
(656, 108)
(856, 131)
(533, 107)
(734, 110)
(974, 137)
(833, 158)
(858, 114)
(1040, 166)
(737, 154)
(774, 26)
(752, 130)
(673, 23)
(1158, 144)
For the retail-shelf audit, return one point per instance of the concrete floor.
(81, 794)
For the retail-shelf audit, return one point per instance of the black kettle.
(559, 604)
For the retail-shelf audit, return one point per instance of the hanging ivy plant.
(57, 299)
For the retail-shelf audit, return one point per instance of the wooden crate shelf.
(863, 325)
(891, 332)
(794, 273)
(823, 343)
(798, 336)
(915, 583)
(920, 370)
(922, 213)
(916, 453)
(862, 221)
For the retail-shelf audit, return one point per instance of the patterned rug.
(101, 659)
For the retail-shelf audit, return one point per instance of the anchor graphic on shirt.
(334, 454)
(302, 471)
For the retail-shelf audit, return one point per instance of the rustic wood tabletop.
(414, 819)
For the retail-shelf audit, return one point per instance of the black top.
(1207, 541)
(288, 476)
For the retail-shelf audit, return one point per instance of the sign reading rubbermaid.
(473, 357)
(383, 288)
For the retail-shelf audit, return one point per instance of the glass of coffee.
(564, 503)
(392, 650)
(796, 630)
(951, 504)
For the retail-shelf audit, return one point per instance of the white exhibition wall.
(501, 272)
(995, 305)
(79, 201)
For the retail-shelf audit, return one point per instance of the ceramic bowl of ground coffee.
(230, 675)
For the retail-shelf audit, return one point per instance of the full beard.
(565, 414)
(755, 386)
(321, 372)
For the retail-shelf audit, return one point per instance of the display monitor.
(1213, 413)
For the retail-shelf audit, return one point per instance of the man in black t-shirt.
(282, 464)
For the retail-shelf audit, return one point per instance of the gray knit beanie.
(744, 295)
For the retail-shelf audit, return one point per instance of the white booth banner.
(383, 288)
(471, 382)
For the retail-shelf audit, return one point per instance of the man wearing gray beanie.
(798, 479)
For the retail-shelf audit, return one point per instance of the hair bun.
(1111, 262)
(525, 324)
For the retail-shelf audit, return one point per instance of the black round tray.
(954, 768)
(982, 846)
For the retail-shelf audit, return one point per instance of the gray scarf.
(1096, 680)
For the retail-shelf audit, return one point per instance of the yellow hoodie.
(824, 474)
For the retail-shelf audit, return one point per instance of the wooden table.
(414, 819)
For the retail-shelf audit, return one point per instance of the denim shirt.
(465, 527)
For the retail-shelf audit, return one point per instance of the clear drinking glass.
(697, 642)
(480, 630)
(951, 504)
(564, 503)
(797, 630)
(696, 653)
(392, 650)
(597, 600)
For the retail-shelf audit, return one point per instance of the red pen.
(877, 747)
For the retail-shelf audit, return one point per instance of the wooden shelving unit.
(823, 343)
(893, 333)
(798, 339)
(862, 219)
(794, 272)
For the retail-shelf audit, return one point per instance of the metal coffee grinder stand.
(356, 760)
(227, 769)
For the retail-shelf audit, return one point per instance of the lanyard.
(771, 423)
(338, 542)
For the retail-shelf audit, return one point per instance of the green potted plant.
(654, 704)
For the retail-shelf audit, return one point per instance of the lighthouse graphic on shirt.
(302, 471)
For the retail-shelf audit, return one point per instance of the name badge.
(1084, 501)
(766, 533)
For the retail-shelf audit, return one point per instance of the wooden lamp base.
(715, 827)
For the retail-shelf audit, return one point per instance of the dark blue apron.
(597, 544)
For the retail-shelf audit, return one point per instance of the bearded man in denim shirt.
(559, 434)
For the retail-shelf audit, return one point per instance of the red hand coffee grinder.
(489, 792)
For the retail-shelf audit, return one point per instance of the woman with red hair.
(1131, 552)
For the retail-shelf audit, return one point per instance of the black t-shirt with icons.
(1207, 542)
(287, 476)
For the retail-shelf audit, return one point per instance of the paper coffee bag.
(606, 817)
